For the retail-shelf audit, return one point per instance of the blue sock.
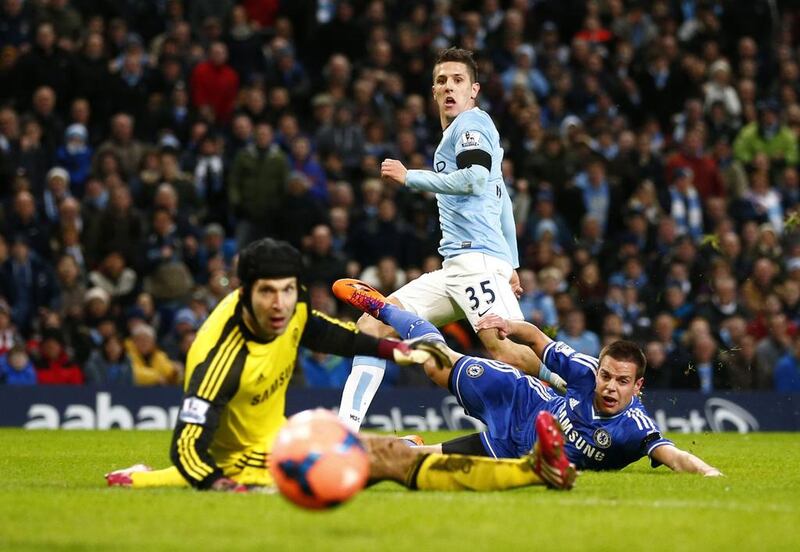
(408, 324)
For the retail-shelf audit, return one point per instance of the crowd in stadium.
(651, 153)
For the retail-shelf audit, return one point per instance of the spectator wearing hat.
(719, 89)
(75, 155)
(56, 191)
(767, 135)
(109, 364)
(215, 84)
(151, 365)
(53, 365)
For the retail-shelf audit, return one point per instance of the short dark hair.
(459, 55)
(626, 351)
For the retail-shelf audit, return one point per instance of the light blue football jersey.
(473, 220)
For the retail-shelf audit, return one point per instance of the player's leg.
(390, 460)
(367, 372)
(480, 285)
(142, 477)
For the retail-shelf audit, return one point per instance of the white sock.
(360, 389)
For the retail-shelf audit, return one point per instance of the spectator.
(53, 366)
(76, 156)
(322, 264)
(684, 204)
(71, 288)
(16, 367)
(8, 332)
(151, 366)
(343, 137)
(109, 365)
(122, 144)
(705, 174)
(116, 279)
(27, 283)
(769, 351)
(215, 84)
(768, 136)
(577, 336)
(787, 371)
(537, 306)
(257, 185)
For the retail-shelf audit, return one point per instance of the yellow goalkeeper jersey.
(235, 390)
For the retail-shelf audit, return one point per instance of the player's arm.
(326, 334)
(213, 383)
(577, 369)
(469, 180)
(509, 228)
(519, 331)
(682, 461)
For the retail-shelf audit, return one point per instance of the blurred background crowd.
(651, 154)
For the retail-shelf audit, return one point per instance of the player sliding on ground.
(605, 425)
(237, 373)
(479, 241)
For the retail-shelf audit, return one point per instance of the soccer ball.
(317, 462)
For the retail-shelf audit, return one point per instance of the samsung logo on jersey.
(571, 435)
(280, 380)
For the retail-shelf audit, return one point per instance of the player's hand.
(394, 171)
(227, 485)
(492, 321)
(404, 355)
(713, 472)
(516, 286)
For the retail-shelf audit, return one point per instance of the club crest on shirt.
(601, 438)
(474, 370)
(471, 139)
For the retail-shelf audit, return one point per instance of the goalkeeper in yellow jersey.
(237, 373)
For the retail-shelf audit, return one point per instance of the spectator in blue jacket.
(16, 368)
(787, 370)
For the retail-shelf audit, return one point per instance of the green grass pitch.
(53, 497)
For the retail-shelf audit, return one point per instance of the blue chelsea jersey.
(474, 223)
(593, 441)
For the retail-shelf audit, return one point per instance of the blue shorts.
(504, 399)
